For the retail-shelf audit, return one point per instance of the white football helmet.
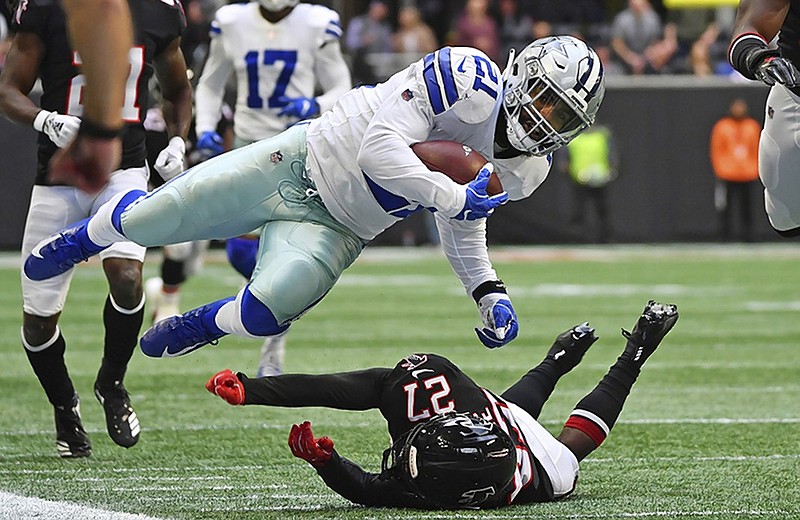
(553, 89)
(277, 5)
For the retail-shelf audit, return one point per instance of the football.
(459, 162)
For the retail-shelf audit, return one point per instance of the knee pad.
(256, 317)
(242, 254)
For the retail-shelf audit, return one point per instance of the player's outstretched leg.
(595, 415)
(61, 252)
(535, 387)
(185, 333)
(570, 346)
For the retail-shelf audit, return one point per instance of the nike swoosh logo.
(415, 373)
(559, 354)
(181, 352)
(461, 65)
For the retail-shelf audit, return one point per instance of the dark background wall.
(664, 193)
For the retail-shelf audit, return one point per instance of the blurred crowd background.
(631, 36)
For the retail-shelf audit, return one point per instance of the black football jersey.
(789, 37)
(157, 23)
(423, 385)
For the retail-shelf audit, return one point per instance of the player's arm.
(211, 87)
(332, 73)
(370, 489)
(464, 244)
(357, 390)
(384, 489)
(18, 77)
(170, 68)
(16, 81)
(757, 23)
(386, 157)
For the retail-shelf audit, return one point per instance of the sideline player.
(279, 51)
(455, 444)
(324, 189)
(40, 49)
(757, 23)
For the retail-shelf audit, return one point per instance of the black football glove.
(770, 68)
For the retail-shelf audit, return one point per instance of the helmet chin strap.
(512, 53)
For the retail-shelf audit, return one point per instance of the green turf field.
(711, 430)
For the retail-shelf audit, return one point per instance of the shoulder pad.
(461, 79)
(321, 18)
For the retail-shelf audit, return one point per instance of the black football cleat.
(121, 421)
(656, 321)
(71, 439)
(570, 346)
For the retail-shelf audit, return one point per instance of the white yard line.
(15, 507)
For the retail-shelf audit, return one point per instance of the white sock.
(229, 318)
(101, 230)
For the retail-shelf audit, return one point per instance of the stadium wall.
(664, 192)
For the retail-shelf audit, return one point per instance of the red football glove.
(86, 163)
(226, 385)
(304, 446)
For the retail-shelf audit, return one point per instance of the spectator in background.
(516, 27)
(640, 41)
(368, 33)
(413, 34)
(734, 158)
(592, 163)
(476, 28)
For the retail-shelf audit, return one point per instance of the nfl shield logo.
(275, 157)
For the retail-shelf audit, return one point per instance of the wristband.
(740, 50)
(90, 129)
(491, 286)
(41, 117)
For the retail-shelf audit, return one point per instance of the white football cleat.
(272, 354)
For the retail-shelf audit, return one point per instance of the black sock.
(49, 367)
(596, 413)
(535, 387)
(122, 332)
(173, 272)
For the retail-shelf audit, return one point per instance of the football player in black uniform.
(455, 444)
(41, 49)
(757, 23)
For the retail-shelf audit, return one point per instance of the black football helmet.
(455, 460)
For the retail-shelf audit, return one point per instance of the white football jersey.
(360, 158)
(287, 58)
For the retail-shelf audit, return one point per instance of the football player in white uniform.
(280, 52)
(455, 444)
(322, 190)
(758, 22)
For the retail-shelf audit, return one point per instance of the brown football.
(459, 162)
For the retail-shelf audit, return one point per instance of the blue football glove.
(301, 107)
(499, 320)
(210, 144)
(479, 204)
